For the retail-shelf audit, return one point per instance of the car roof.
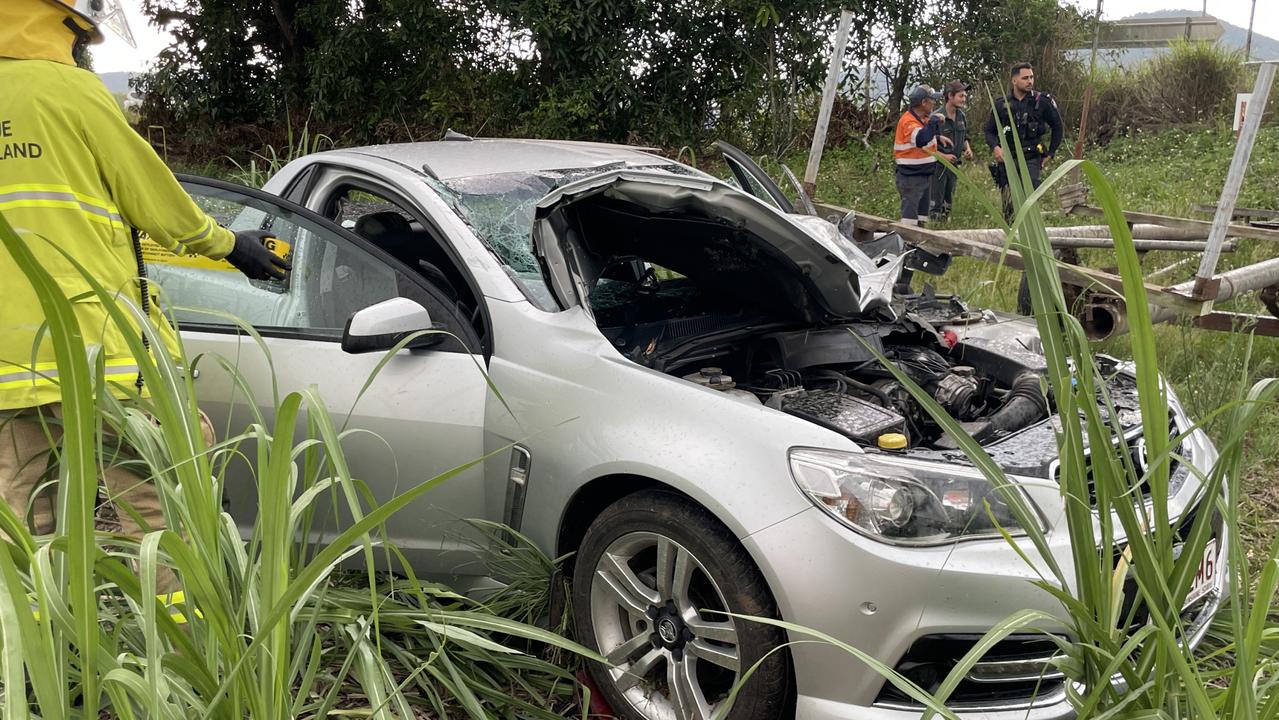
(448, 159)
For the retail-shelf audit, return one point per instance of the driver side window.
(331, 279)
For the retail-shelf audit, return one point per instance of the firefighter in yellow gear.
(74, 174)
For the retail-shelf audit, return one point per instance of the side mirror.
(380, 327)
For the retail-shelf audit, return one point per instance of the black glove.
(251, 257)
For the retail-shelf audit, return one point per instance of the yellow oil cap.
(891, 441)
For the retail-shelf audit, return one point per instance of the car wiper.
(677, 352)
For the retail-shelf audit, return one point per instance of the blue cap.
(922, 93)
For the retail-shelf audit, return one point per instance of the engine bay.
(793, 316)
(788, 312)
(833, 375)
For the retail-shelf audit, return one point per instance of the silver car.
(690, 403)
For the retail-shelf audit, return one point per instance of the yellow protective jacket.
(73, 171)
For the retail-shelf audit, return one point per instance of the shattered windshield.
(500, 207)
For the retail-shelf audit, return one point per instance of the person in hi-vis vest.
(75, 174)
(914, 152)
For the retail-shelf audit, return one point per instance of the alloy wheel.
(657, 616)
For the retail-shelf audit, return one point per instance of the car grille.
(1178, 472)
(1132, 606)
(1014, 673)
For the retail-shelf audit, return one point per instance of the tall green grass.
(268, 161)
(1119, 664)
(271, 629)
(1161, 676)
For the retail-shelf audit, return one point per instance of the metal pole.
(1203, 287)
(1247, 45)
(1106, 243)
(1108, 317)
(1139, 231)
(828, 99)
(1233, 284)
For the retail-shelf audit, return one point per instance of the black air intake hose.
(1026, 404)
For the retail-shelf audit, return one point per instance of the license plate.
(1206, 576)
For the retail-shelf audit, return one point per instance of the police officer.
(74, 172)
(1032, 114)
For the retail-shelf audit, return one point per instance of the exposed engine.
(833, 375)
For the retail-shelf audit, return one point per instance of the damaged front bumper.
(912, 606)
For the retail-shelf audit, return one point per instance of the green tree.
(978, 40)
(648, 70)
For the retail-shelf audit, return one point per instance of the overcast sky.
(114, 54)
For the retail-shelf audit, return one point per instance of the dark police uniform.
(1032, 116)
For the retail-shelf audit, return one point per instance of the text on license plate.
(1206, 576)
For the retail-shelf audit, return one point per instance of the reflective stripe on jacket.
(907, 153)
(904, 148)
(74, 177)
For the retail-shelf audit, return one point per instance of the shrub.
(1194, 82)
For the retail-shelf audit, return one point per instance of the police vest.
(1028, 117)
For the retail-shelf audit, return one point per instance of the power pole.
(828, 100)
(1092, 78)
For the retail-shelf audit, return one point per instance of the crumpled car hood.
(837, 277)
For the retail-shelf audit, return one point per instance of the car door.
(422, 414)
(751, 177)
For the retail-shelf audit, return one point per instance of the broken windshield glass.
(500, 207)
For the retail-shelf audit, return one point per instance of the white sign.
(1241, 107)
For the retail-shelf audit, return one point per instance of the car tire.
(672, 659)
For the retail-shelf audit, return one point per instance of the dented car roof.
(448, 159)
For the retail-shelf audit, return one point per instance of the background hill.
(117, 82)
(1233, 38)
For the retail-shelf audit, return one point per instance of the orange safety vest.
(905, 152)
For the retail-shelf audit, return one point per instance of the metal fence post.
(1204, 282)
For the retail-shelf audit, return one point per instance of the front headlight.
(902, 501)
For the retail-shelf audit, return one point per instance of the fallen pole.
(1140, 245)
(1108, 317)
(1201, 227)
(1141, 231)
(1089, 241)
(865, 226)
(1240, 213)
(1240, 281)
